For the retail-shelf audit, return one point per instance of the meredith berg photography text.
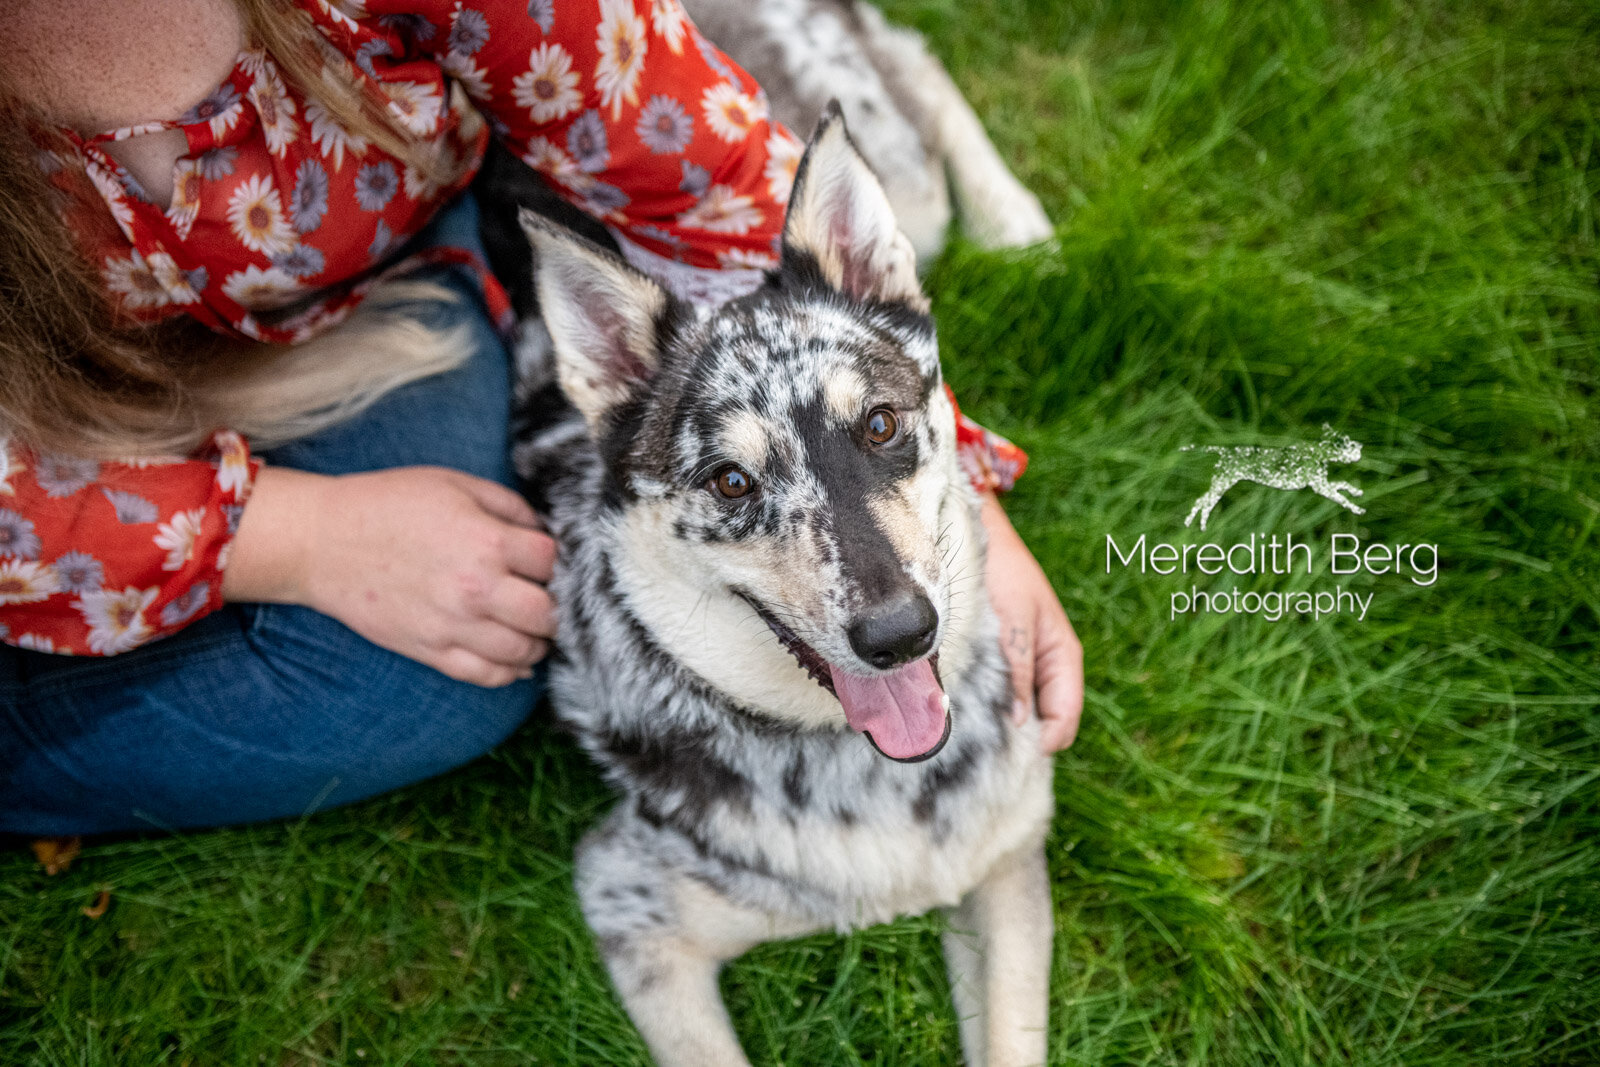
(1346, 554)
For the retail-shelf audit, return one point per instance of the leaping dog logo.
(1290, 467)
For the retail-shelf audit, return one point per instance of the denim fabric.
(265, 711)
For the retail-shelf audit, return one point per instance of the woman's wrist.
(271, 550)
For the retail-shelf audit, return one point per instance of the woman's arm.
(456, 585)
(97, 558)
(1045, 655)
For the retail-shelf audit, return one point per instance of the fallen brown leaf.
(98, 908)
(56, 854)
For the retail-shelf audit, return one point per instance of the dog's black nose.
(896, 631)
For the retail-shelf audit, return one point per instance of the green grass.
(1292, 842)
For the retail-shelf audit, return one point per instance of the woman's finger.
(466, 666)
(1017, 644)
(523, 606)
(1060, 677)
(530, 553)
(501, 644)
(500, 502)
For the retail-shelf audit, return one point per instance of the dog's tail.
(279, 393)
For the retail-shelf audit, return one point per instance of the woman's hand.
(1045, 656)
(437, 565)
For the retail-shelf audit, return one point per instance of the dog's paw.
(1012, 218)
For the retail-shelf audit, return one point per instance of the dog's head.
(788, 457)
(1342, 448)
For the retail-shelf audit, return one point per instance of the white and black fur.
(750, 810)
(909, 119)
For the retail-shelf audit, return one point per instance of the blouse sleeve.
(100, 558)
(634, 116)
(992, 463)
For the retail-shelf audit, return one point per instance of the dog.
(775, 637)
(1290, 467)
(910, 121)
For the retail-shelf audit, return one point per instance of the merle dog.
(775, 635)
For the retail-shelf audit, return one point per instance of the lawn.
(1363, 841)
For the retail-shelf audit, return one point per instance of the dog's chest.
(900, 840)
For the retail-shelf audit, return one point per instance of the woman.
(361, 606)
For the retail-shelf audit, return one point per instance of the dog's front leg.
(998, 953)
(664, 936)
(1220, 484)
(669, 988)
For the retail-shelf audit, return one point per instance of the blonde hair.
(80, 379)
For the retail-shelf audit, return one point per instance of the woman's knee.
(296, 714)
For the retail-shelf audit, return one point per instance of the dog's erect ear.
(602, 316)
(840, 218)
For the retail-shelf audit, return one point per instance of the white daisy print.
(275, 109)
(35, 643)
(25, 582)
(331, 139)
(135, 284)
(471, 77)
(178, 537)
(668, 20)
(116, 620)
(622, 47)
(417, 105)
(344, 12)
(187, 183)
(111, 190)
(9, 466)
(233, 463)
(61, 476)
(17, 538)
(256, 215)
(549, 87)
(549, 159)
(418, 186)
(261, 290)
(131, 509)
(173, 279)
(783, 159)
(746, 259)
(78, 572)
(664, 126)
(730, 113)
(721, 210)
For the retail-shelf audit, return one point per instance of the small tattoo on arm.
(1019, 641)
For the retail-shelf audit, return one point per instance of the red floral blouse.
(281, 221)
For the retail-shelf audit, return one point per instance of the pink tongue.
(903, 711)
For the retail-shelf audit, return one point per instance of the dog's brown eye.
(733, 482)
(881, 426)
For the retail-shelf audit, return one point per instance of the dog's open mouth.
(904, 713)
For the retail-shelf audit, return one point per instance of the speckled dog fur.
(750, 810)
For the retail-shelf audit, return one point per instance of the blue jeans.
(261, 711)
